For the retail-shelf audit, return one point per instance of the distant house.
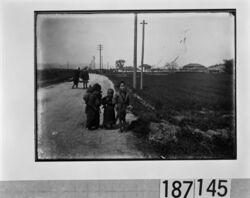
(218, 68)
(146, 67)
(194, 67)
(156, 69)
(128, 68)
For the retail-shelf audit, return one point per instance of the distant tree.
(120, 64)
(229, 66)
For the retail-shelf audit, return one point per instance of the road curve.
(61, 127)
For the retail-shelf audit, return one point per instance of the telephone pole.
(93, 62)
(142, 51)
(102, 62)
(100, 48)
(135, 52)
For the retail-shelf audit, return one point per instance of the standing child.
(86, 97)
(85, 77)
(109, 110)
(76, 78)
(121, 100)
(93, 103)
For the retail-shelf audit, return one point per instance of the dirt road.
(62, 133)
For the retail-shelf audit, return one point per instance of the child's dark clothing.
(86, 97)
(109, 112)
(85, 78)
(76, 78)
(93, 102)
(122, 101)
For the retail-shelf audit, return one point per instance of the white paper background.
(17, 100)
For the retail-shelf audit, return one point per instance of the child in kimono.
(93, 103)
(121, 100)
(86, 96)
(109, 110)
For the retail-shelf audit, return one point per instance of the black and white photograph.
(135, 85)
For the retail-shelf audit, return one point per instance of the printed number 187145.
(200, 188)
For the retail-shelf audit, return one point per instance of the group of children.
(111, 103)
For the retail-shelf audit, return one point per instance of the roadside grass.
(48, 77)
(191, 101)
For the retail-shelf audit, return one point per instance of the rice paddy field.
(192, 101)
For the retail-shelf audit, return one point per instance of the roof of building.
(194, 66)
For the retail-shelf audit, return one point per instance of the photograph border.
(233, 11)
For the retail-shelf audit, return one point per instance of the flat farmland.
(186, 91)
(197, 102)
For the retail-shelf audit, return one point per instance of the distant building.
(157, 69)
(194, 67)
(168, 70)
(128, 68)
(146, 67)
(218, 68)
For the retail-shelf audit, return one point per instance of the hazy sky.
(205, 38)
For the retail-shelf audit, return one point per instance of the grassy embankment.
(200, 101)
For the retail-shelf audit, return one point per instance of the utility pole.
(93, 62)
(135, 52)
(100, 48)
(102, 62)
(142, 51)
